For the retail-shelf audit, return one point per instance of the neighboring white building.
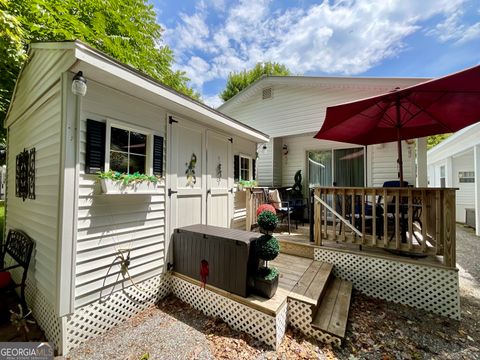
(455, 162)
(291, 109)
(76, 287)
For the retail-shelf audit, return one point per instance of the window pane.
(118, 161)
(320, 168)
(349, 167)
(137, 164)
(244, 163)
(119, 140)
(138, 143)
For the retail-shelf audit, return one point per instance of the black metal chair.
(19, 246)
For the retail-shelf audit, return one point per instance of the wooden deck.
(304, 280)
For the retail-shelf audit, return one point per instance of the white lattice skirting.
(425, 287)
(100, 316)
(44, 314)
(266, 328)
(300, 317)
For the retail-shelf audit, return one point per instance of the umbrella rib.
(428, 113)
(384, 114)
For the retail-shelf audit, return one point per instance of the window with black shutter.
(254, 169)
(95, 154)
(157, 155)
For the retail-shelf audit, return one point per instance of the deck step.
(313, 283)
(332, 313)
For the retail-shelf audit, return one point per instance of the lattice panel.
(43, 311)
(300, 317)
(420, 286)
(240, 317)
(100, 316)
(281, 323)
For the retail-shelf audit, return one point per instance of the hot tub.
(225, 254)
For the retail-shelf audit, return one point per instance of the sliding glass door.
(339, 167)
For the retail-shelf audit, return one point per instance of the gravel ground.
(377, 329)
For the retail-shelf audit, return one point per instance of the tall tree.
(237, 81)
(436, 139)
(125, 29)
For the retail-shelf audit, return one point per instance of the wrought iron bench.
(19, 246)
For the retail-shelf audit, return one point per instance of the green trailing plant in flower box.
(116, 183)
(127, 179)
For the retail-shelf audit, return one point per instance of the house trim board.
(68, 199)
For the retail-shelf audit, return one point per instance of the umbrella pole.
(399, 142)
(400, 161)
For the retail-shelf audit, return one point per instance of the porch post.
(449, 172)
(476, 161)
(422, 178)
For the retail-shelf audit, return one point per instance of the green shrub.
(267, 247)
(267, 273)
(267, 220)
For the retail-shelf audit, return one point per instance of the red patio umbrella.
(438, 106)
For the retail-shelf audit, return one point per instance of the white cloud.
(452, 29)
(340, 37)
(213, 101)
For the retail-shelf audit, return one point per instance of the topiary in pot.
(266, 280)
(267, 221)
(265, 207)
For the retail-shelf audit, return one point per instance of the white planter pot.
(112, 187)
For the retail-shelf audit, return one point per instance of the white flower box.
(116, 187)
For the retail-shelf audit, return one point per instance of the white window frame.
(250, 165)
(133, 128)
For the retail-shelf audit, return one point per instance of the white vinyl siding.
(384, 163)
(39, 217)
(108, 223)
(295, 109)
(466, 191)
(41, 73)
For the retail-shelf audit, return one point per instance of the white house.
(126, 122)
(291, 109)
(455, 162)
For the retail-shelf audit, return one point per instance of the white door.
(219, 179)
(187, 183)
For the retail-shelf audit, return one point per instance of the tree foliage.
(436, 139)
(237, 81)
(125, 29)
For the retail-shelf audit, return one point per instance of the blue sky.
(416, 38)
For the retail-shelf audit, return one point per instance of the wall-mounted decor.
(190, 172)
(25, 174)
(219, 171)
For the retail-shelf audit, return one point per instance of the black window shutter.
(95, 152)
(254, 169)
(157, 155)
(236, 168)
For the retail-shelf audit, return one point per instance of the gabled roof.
(380, 83)
(99, 67)
(456, 144)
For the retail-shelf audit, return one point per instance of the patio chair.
(283, 208)
(389, 205)
(19, 246)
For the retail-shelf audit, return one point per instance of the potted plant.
(242, 184)
(266, 249)
(114, 182)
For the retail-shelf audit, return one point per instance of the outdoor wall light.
(285, 149)
(79, 84)
(264, 148)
